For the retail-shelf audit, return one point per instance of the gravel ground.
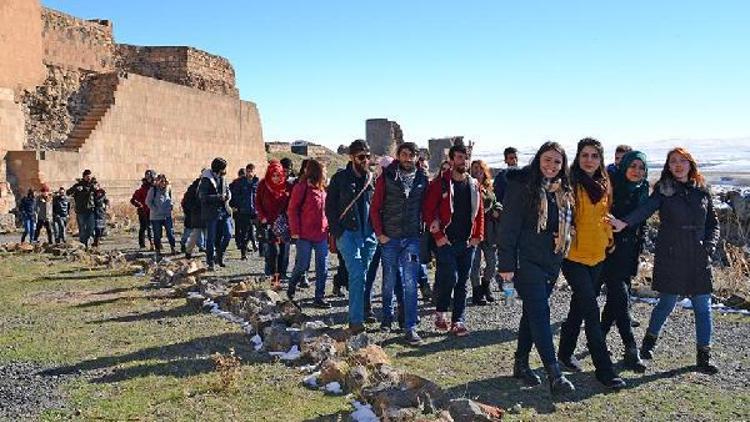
(24, 393)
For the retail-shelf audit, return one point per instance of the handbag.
(280, 228)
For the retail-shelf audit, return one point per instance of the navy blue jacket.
(243, 195)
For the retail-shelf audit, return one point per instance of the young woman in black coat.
(688, 234)
(630, 182)
(534, 238)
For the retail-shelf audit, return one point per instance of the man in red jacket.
(138, 200)
(454, 214)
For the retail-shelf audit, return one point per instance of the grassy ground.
(144, 356)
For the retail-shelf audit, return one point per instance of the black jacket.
(243, 195)
(341, 191)
(212, 194)
(622, 261)
(522, 250)
(83, 196)
(60, 206)
(688, 234)
(191, 206)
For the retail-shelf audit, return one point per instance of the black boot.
(243, 254)
(611, 380)
(477, 296)
(558, 384)
(220, 261)
(487, 292)
(647, 347)
(632, 359)
(522, 371)
(703, 361)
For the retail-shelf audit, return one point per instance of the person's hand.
(495, 214)
(474, 242)
(442, 242)
(295, 236)
(383, 239)
(435, 226)
(263, 221)
(508, 277)
(617, 224)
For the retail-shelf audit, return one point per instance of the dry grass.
(228, 368)
(734, 277)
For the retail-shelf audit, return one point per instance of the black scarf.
(596, 187)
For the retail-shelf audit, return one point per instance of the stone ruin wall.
(383, 136)
(51, 62)
(182, 65)
(157, 125)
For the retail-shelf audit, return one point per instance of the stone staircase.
(101, 98)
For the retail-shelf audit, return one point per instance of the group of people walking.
(584, 220)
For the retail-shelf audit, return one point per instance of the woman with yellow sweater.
(581, 268)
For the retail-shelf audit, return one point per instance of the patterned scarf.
(564, 202)
(407, 178)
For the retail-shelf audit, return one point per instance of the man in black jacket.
(60, 214)
(244, 189)
(83, 198)
(347, 210)
(214, 196)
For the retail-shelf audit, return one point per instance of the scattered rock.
(357, 342)
(465, 410)
(318, 349)
(356, 379)
(333, 370)
(369, 356)
(276, 338)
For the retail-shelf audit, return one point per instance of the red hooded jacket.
(307, 217)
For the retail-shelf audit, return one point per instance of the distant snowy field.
(728, 156)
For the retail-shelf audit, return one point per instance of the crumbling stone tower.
(383, 136)
(438, 148)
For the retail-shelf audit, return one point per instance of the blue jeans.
(168, 226)
(701, 310)
(453, 265)
(534, 328)
(401, 257)
(86, 223)
(357, 251)
(302, 263)
(218, 234)
(60, 223)
(29, 228)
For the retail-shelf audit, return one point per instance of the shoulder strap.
(351, 204)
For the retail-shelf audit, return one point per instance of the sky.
(496, 72)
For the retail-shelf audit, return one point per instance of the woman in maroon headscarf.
(271, 202)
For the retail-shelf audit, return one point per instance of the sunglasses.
(362, 157)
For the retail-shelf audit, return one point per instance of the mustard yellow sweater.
(592, 234)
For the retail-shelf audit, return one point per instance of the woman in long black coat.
(688, 234)
(535, 233)
(630, 183)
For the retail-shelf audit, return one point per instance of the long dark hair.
(536, 178)
(314, 174)
(575, 169)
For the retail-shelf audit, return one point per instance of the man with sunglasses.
(348, 211)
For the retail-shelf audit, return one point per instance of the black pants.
(244, 231)
(43, 223)
(341, 279)
(144, 229)
(617, 308)
(584, 282)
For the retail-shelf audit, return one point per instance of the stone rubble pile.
(335, 361)
(72, 252)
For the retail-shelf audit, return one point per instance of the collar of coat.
(668, 186)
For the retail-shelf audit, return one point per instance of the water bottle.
(509, 292)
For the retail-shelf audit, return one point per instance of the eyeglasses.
(362, 157)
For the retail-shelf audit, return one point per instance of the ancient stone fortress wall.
(182, 65)
(20, 45)
(74, 43)
(151, 124)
